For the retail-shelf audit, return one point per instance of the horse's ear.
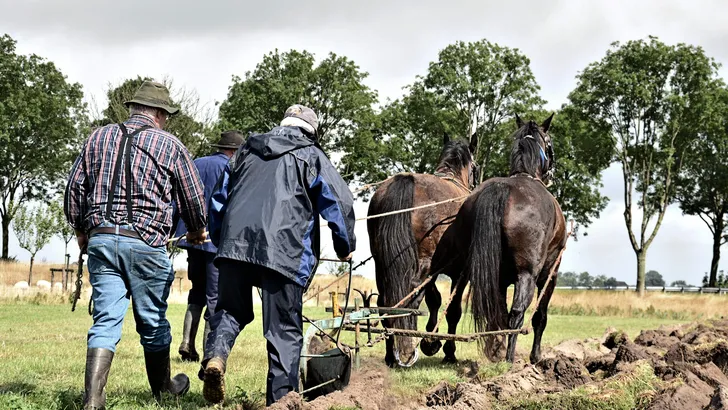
(473, 143)
(445, 138)
(519, 121)
(547, 124)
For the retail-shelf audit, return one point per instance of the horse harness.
(449, 176)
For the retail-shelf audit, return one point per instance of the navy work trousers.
(282, 322)
(204, 277)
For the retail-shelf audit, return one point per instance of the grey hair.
(143, 109)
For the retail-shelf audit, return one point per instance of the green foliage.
(650, 96)
(34, 228)
(42, 122)
(482, 84)
(584, 279)
(680, 283)
(193, 125)
(702, 187)
(472, 87)
(653, 278)
(61, 227)
(334, 89)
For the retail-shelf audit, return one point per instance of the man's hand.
(197, 238)
(82, 240)
(346, 258)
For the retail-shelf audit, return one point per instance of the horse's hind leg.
(522, 296)
(541, 316)
(453, 315)
(434, 300)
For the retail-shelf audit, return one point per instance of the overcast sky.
(201, 45)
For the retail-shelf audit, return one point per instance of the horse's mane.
(455, 156)
(526, 152)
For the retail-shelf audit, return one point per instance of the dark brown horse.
(510, 231)
(402, 245)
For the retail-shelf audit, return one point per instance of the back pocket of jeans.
(150, 264)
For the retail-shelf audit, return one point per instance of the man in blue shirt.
(200, 269)
(265, 222)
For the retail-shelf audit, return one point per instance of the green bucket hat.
(153, 94)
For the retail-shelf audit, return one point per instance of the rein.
(450, 176)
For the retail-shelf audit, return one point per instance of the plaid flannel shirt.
(162, 170)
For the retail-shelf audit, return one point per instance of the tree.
(567, 279)
(193, 125)
(680, 283)
(585, 279)
(61, 228)
(600, 281)
(472, 87)
(42, 118)
(34, 229)
(703, 183)
(334, 89)
(611, 282)
(650, 96)
(653, 278)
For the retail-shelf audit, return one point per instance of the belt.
(112, 230)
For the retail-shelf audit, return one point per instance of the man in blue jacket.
(200, 269)
(265, 222)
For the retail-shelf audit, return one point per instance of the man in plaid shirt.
(119, 201)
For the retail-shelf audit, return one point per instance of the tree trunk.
(641, 262)
(6, 236)
(717, 238)
(30, 273)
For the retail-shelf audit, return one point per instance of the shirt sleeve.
(335, 204)
(74, 198)
(189, 192)
(218, 205)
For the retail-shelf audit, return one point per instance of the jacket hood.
(279, 141)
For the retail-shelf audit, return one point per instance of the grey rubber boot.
(189, 333)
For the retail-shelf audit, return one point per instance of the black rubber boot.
(98, 363)
(158, 374)
(189, 333)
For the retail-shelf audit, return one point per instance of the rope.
(523, 330)
(460, 198)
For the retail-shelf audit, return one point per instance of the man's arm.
(74, 198)
(335, 204)
(189, 194)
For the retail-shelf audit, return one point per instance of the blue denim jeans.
(120, 268)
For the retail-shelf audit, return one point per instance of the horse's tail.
(393, 245)
(483, 265)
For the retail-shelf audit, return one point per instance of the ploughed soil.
(686, 368)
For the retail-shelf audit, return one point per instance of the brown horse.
(510, 231)
(402, 244)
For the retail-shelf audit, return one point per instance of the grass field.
(42, 345)
(42, 351)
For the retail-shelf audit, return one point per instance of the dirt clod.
(693, 394)
(566, 371)
(719, 400)
(616, 339)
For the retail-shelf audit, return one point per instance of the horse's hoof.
(430, 347)
(450, 360)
